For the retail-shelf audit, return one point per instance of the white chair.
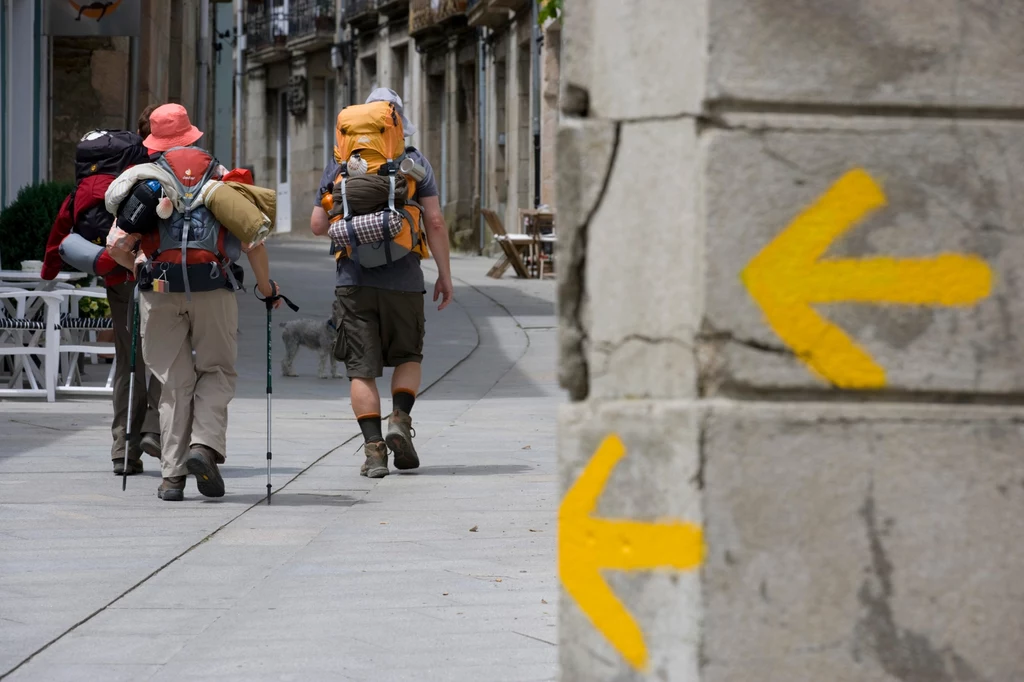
(78, 342)
(30, 329)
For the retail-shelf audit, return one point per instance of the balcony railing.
(357, 11)
(448, 9)
(484, 13)
(310, 18)
(427, 16)
(265, 24)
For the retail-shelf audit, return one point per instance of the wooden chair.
(514, 245)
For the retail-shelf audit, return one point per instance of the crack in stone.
(905, 655)
(610, 347)
(574, 373)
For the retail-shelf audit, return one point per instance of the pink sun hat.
(170, 127)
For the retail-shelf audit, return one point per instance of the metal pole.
(239, 91)
(482, 89)
(133, 82)
(203, 84)
(535, 55)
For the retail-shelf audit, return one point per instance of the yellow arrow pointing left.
(789, 275)
(587, 544)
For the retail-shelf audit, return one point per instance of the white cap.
(389, 95)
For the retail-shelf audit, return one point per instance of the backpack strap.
(186, 228)
(392, 170)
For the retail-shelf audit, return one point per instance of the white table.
(34, 280)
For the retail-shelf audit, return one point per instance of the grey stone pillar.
(257, 135)
(789, 286)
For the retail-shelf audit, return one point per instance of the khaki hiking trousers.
(196, 389)
(145, 402)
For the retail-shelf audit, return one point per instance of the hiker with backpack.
(188, 309)
(374, 202)
(78, 236)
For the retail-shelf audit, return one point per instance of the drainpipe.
(353, 53)
(535, 53)
(4, 142)
(239, 75)
(482, 117)
(203, 84)
(133, 82)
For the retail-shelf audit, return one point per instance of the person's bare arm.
(437, 240)
(318, 222)
(260, 262)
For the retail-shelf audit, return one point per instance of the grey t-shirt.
(405, 274)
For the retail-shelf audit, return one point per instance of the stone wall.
(788, 280)
(90, 92)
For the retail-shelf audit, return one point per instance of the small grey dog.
(315, 334)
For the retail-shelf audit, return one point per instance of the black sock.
(403, 400)
(369, 424)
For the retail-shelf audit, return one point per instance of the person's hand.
(140, 260)
(269, 289)
(443, 290)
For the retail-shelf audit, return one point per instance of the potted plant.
(97, 308)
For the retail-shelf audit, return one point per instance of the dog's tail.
(283, 324)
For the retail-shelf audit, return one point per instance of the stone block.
(947, 53)
(643, 273)
(862, 543)
(949, 189)
(636, 64)
(656, 480)
(585, 149)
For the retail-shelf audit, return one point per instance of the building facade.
(55, 87)
(464, 70)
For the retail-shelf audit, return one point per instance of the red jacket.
(89, 193)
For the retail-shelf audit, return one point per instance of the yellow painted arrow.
(587, 544)
(788, 276)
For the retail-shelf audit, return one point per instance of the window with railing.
(266, 22)
(279, 20)
(257, 24)
(311, 16)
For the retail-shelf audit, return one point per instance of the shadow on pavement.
(292, 500)
(470, 470)
(252, 472)
(38, 429)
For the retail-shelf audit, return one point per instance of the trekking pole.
(269, 302)
(131, 386)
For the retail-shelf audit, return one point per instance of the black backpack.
(103, 152)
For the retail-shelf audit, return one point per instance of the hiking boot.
(376, 464)
(134, 466)
(399, 439)
(150, 444)
(202, 463)
(172, 489)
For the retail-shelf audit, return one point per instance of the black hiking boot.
(202, 463)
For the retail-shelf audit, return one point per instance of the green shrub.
(25, 223)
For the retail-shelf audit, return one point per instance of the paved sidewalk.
(446, 573)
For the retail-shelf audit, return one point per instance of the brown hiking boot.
(172, 489)
(399, 439)
(134, 466)
(376, 464)
(150, 444)
(202, 463)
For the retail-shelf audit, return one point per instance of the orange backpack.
(375, 131)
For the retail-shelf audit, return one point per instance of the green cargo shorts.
(377, 328)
